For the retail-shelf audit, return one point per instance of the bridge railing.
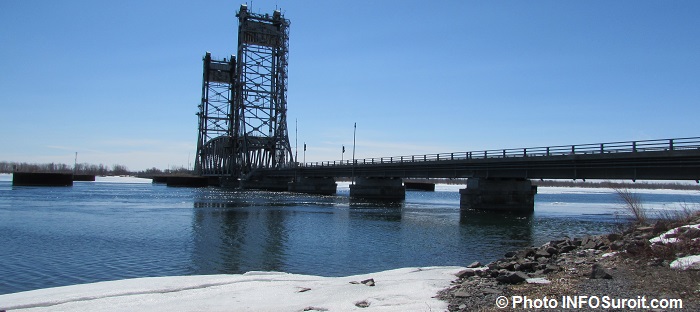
(559, 150)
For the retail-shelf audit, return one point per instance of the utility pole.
(354, 135)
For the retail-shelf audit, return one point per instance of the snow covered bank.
(407, 289)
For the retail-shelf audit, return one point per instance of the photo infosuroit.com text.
(587, 302)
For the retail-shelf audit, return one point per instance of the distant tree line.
(85, 168)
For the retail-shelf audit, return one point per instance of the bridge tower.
(243, 115)
(215, 144)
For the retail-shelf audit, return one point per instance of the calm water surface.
(98, 231)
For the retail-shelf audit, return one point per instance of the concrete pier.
(160, 179)
(313, 185)
(498, 194)
(275, 184)
(187, 181)
(84, 177)
(42, 179)
(390, 189)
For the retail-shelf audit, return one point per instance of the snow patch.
(684, 263)
(662, 239)
(407, 289)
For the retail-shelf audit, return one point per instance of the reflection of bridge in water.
(243, 141)
(240, 231)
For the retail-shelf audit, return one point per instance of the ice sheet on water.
(122, 179)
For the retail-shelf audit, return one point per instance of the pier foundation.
(187, 181)
(390, 189)
(313, 185)
(275, 184)
(494, 194)
(42, 179)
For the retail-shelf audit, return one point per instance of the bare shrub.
(633, 204)
(685, 214)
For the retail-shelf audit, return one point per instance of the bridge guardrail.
(559, 150)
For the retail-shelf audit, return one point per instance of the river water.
(118, 228)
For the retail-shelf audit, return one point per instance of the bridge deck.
(669, 159)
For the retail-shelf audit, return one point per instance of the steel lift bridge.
(243, 113)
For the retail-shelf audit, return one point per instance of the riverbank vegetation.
(86, 168)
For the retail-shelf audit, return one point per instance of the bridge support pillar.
(514, 195)
(275, 184)
(313, 185)
(378, 188)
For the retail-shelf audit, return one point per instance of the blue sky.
(119, 81)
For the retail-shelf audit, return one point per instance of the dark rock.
(512, 278)
(614, 236)
(563, 243)
(617, 245)
(510, 254)
(492, 265)
(462, 294)
(465, 273)
(598, 272)
(542, 253)
(368, 282)
(474, 264)
(549, 268)
(557, 242)
(552, 250)
(527, 252)
(585, 240)
(526, 265)
(590, 244)
(691, 233)
(566, 248)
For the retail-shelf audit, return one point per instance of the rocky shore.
(642, 263)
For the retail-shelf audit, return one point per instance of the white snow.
(661, 239)
(685, 263)
(407, 289)
(122, 179)
(110, 179)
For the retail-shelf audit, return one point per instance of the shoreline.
(642, 263)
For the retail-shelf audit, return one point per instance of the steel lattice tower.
(214, 144)
(250, 130)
